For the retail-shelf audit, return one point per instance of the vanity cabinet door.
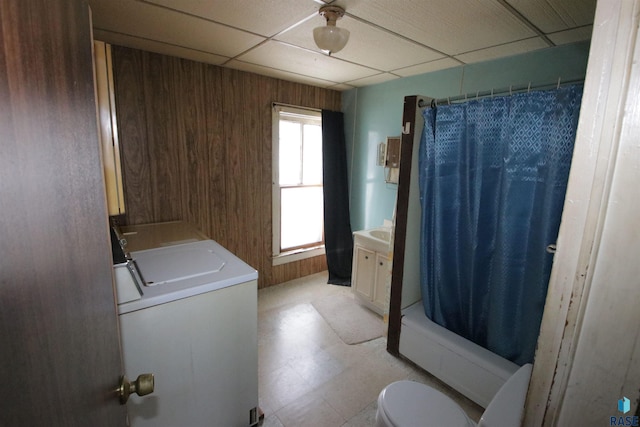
(364, 272)
(382, 274)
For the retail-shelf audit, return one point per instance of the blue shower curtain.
(493, 175)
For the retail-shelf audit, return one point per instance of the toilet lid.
(409, 404)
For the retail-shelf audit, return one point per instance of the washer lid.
(409, 404)
(176, 263)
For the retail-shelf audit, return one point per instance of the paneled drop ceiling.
(389, 39)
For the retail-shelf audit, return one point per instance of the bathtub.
(465, 366)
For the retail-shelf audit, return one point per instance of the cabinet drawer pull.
(366, 257)
(381, 263)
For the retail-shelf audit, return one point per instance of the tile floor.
(309, 377)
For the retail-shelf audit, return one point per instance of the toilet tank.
(507, 406)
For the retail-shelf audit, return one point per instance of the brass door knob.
(142, 386)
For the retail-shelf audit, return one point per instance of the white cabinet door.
(382, 274)
(364, 272)
(370, 274)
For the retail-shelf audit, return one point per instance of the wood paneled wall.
(196, 146)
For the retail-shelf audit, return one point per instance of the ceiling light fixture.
(331, 38)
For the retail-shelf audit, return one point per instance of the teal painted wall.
(374, 112)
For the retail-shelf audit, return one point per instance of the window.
(298, 223)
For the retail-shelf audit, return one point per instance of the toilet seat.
(409, 404)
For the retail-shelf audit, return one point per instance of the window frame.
(278, 257)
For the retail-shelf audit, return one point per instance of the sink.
(375, 239)
(381, 233)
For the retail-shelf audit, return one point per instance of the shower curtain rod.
(484, 94)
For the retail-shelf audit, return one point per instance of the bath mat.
(352, 322)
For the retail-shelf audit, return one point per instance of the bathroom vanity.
(370, 270)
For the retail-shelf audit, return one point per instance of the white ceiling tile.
(373, 80)
(427, 67)
(571, 36)
(367, 45)
(556, 15)
(341, 87)
(297, 60)
(451, 27)
(145, 21)
(153, 46)
(508, 49)
(278, 74)
(264, 17)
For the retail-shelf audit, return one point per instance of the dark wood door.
(59, 351)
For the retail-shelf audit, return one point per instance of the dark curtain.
(338, 239)
(493, 176)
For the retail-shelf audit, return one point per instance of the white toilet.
(412, 404)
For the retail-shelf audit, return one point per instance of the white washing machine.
(193, 324)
